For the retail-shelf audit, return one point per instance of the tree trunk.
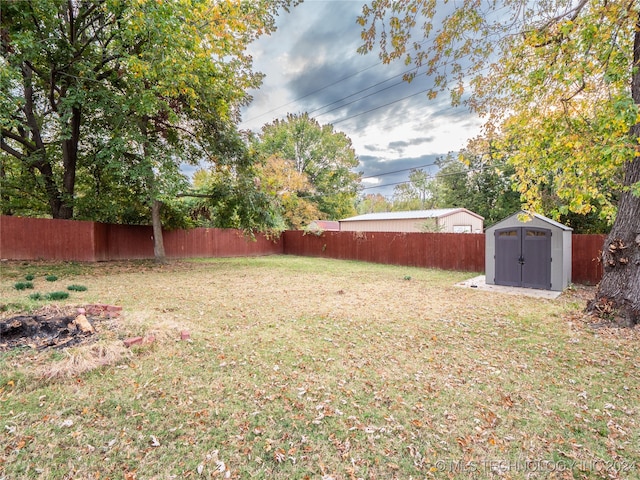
(5, 209)
(70, 162)
(33, 149)
(158, 241)
(618, 294)
(156, 205)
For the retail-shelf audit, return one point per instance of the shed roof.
(325, 225)
(410, 215)
(536, 215)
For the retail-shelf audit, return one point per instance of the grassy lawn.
(311, 368)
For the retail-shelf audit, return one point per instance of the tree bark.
(618, 295)
(5, 209)
(70, 162)
(156, 205)
(158, 241)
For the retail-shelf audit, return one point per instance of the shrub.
(77, 288)
(57, 295)
(51, 278)
(36, 296)
(29, 277)
(23, 285)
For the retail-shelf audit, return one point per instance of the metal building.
(528, 250)
(446, 220)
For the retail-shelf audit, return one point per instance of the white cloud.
(312, 62)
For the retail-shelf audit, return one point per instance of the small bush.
(57, 295)
(29, 277)
(36, 296)
(23, 285)
(77, 288)
(51, 278)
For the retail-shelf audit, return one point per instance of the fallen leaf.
(279, 455)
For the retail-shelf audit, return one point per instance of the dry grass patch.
(77, 360)
(312, 368)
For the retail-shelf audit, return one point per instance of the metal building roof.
(409, 215)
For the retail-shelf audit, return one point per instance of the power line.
(354, 101)
(363, 90)
(435, 176)
(386, 185)
(378, 108)
(416, 68)
(398, 171)
(312, 93)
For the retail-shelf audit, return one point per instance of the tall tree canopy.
(559, 84)
(103, 99)
(325, 157)
(373, 203)
(417, 193)
(231, 197)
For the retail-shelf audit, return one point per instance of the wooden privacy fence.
(447, 251)
(586, 252)
(69, 240)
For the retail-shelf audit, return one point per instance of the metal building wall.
(462, 218)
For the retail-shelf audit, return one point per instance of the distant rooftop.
(325, 225)
(410, 214)
(535, 215)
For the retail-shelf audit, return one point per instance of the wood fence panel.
(45, 239)
(129, 242)
(71, 240)
(449, 251)
(586, 267)
(217, 242)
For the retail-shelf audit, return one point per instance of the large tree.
(118, 92)
(477, 181)
(417, 193)
(290, 191)
(560, 83)
(324, 156)
(373, 203)
(226, 196)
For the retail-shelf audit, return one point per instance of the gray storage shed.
(531, 254)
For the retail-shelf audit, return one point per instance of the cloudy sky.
(312, 65)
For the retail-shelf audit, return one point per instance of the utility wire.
(364, 90)
(354, 101)
(444, 64)
(312, 93)
(379, 107)
(437, 175)
(398, 171)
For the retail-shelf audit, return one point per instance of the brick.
(133, 341)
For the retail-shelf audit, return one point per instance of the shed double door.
(523, 257)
